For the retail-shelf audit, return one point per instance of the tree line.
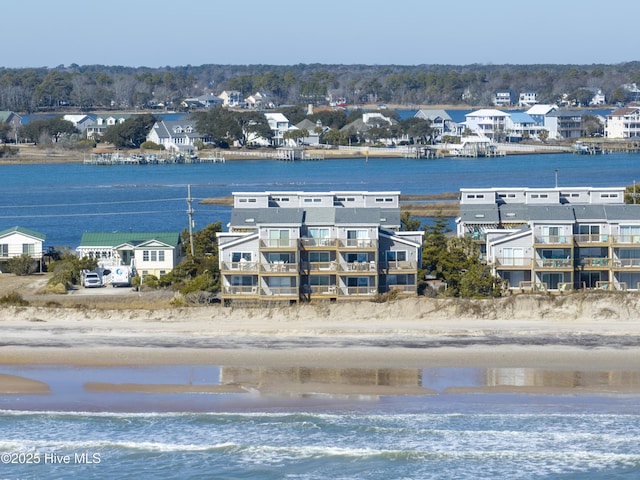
(93, 87)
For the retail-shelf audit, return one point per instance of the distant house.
(487, 122)
(539, 112)
(102, 122)
(279, 124)
(441, 122)
(503, 98)
(14, 120)
(520, 126)
(314, 136)
(361, 126)
(231, 98)
(528, 98)
(564, 124)
(203, 101)
(150, 253)
(259, 100)
(17, 241)
(598, 97)
(623, 123)
(81, 122)
(176, 136)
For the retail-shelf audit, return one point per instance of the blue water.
(64, 200)
(444, 436)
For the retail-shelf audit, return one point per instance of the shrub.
(22, 265)
(13, 298)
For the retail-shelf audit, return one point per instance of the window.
(154, 255)
(28, 248)
(161, 255)
(4, 250)
(396, 256)
(318, 232)
(278, 238)
(240, 256)
(320, 280)
(278, 257)
(319, 257)
(357, 257)
(145, 255)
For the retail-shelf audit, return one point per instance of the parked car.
(91, 280)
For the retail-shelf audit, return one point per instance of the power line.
(93, 203)
(93, 214)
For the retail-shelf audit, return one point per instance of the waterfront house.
(527, 98)
(623, 123)
(315, 130)
(564, 124)
(503, 98)
(231, 98)
(102, 122)
(303, 246)
(520, 125)
(18, 241)
(176, 136)
(539, 112)
(555, 238)
(361, 127)
(487, 122)
(81, 122)
(203, 101)
(259, 100)
(12, 119)
(154, 253)
(441, 122)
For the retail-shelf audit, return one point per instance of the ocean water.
(502, 438)
(443, 436)
(64, 200)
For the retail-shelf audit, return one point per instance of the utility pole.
(190, 214)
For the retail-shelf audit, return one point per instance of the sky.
(158, 33)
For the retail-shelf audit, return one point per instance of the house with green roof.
(150, 253)
(17, 241)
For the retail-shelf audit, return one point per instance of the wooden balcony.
(240, 267)
(627, 240)
(398, 266)
(318, 243)
(626, 263)
(243, 291)
(596, 263)
(358, 267)
(279, 244)
(279, 268)
(592, 239)
(513, 263)
(554, 240)
(361, 244)
(554, 264)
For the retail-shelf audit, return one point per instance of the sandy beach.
(596, 335)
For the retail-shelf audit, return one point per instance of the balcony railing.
(279, 291)
(240, 266)
(319, 242)
(592, 238)
(554, 239)
(282, 243)
(628, 239)
(320, 266)
(279, 267)
(626, 263)
(358, 267)
(516, 262)
(402, 288)
(240, 290)
(359, 291)
(398, 265)
(358, 243)
(554, 263)
(596, 262)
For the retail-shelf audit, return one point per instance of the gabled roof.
(541, 109)
(114, 239)
(487, 112)
(434, 114)
(521, 117)
(5, 115)
(621, 112)
(23, 231)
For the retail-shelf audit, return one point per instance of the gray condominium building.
(305, 246)
(555, 239)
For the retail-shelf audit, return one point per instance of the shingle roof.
(112, 239)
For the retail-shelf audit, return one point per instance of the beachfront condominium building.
(555, 238)
(305, 246)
